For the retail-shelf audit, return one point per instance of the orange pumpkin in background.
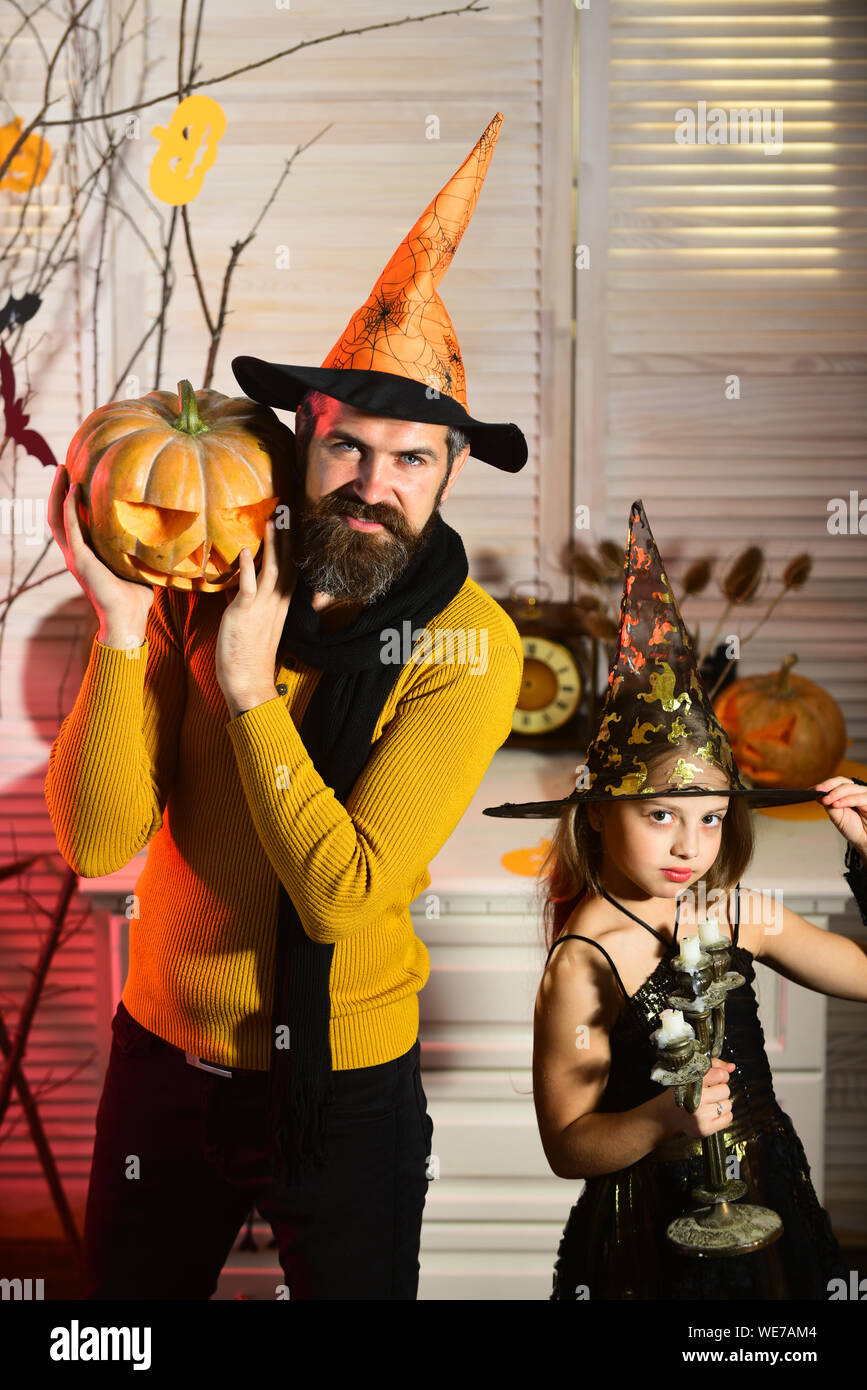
(785, 730)
(174, 487)
(31, 161)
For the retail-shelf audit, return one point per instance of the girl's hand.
(714, 1091)
(846, 804)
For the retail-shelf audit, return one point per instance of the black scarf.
(337, 731)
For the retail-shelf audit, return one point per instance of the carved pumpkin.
(785, 730)
(172, 495)
(30, 162)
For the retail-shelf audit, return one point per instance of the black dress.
(614, 1244)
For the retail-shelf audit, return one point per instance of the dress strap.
(599, 947)
(666, 943)
(737, 913)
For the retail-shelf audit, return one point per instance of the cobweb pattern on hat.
(652, 685)
(403, 326)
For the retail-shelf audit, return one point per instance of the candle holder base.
(730, 1191)
(723, 1229)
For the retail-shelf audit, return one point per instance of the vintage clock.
(552, 708)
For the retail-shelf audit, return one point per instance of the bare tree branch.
(237, 248)
(474, 7)
(26, 23)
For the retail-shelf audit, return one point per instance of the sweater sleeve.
(111, 767)
(343, 866)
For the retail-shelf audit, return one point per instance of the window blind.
(727, 302)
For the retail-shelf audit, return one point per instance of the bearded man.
(265, 1048)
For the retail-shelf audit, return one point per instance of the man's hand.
(121, 605)
(253, 622)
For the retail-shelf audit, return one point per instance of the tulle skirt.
(614, 1244)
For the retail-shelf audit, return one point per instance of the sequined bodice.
(633, 1055)
(615, 1244)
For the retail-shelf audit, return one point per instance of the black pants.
(181, 1156)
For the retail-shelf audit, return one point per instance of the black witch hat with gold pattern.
(652, 685)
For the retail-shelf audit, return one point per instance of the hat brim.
(756, 797)
(380, 393)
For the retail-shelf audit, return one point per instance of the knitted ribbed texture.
(149, 756)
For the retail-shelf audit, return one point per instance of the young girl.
(661, 810)
(601, 1117)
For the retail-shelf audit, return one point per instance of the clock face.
(551, 688)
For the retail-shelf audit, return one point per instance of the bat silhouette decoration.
(17, 311)
(16, 419)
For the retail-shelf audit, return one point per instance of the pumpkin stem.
(188, 421)
(783, 673)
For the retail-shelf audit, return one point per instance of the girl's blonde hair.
(572, 865)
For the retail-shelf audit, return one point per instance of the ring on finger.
(719, 1107)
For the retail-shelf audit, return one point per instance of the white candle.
(690, 949)
(709, 932)
(674, 1026)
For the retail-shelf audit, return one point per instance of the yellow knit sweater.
(149, 756)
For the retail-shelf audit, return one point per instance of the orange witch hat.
(399, 356)
(403, 326)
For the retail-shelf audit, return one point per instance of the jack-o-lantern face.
(785, 730)
(173, 497)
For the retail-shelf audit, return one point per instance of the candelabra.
(717, 1227)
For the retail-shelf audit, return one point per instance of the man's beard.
(335, 559)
